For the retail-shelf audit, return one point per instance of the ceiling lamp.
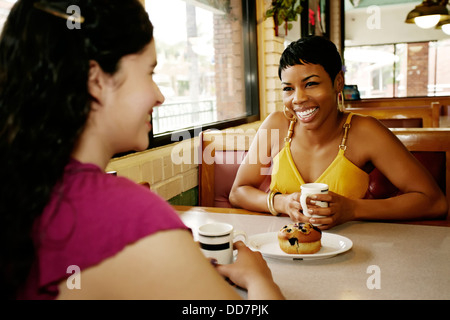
(446, 28)
(444, 25)
(428, 14)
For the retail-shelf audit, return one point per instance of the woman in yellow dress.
(313, 140)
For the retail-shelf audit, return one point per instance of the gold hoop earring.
(293, 118)
(340, 101)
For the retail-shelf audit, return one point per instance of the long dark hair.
(44, 103)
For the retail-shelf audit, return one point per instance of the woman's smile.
(306, 114)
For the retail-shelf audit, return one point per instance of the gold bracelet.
(270, 197)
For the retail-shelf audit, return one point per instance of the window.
(207, 65)
(387, 57)
(5, 7)
(399, 70)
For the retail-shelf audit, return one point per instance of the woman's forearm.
(408, 206)
(249, 198)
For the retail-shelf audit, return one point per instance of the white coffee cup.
(216, 241)
(309, 189)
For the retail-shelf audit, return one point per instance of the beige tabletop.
(386, 261)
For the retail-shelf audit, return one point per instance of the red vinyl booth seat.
(225, 172)
(381, 188)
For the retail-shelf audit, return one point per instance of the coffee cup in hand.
(216, 241)
(309, 189)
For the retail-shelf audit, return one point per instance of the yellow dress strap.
(291, 130)
(346, 126)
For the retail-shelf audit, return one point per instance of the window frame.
(249, 37)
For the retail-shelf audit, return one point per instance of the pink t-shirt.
(91, 216)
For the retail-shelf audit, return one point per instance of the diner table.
(386, 260)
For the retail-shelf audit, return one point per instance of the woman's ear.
(95, 82)
(339, 81)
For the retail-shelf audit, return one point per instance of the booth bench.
(223, 151)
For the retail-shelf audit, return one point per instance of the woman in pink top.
(74, 92)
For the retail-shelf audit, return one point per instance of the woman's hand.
(339, 210)
(290, 204)
(250, 271)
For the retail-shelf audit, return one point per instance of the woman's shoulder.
(130, 200)
(275, 120)
(369, 133)
(367, 125)
(98, 205)
(275, 125)
(88, 183)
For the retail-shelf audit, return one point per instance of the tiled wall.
(166, 177)
(335, 23)
(270, 48)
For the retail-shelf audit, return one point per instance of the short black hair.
(315, 50)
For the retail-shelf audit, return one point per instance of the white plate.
(267, 244)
